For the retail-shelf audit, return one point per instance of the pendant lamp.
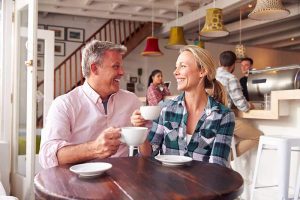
(199, 43)
(240, 50)
(176, 39)
(214, 26)
(152, 48)
(268, 10)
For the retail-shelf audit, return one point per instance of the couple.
(80, 125)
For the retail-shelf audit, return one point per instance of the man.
(246, 134)
(84, 124)
(246, 65)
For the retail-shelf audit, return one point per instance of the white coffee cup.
(150, 112)
(133, 136)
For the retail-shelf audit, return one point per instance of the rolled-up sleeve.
(55, 133)
(236, 95)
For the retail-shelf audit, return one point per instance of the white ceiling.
(276, 34)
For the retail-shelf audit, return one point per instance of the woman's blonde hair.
(205, 61)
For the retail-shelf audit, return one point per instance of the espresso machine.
(262, 82)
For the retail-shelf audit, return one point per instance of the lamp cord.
(152, 19)
(240, 26)
(199, 22)
(177, 13)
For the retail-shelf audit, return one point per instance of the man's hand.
(251, 106)
(137, 119)
(108, 142)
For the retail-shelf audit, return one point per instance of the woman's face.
(187, 73)
(157, 79)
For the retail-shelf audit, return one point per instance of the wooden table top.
(141, 178)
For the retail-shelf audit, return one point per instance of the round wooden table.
(141, 178)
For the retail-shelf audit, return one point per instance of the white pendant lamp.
(240, 50)
(268, 10)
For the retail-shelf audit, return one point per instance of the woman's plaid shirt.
(209, 143)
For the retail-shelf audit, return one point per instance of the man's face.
(245, 66)
(109, 73)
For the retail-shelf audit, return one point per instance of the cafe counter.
(283, 118)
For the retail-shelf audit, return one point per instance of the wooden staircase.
(67, 75)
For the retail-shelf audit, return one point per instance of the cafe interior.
(40, 55)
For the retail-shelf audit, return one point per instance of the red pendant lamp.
(152, 48)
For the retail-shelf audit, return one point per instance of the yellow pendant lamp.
(268, 10)
(152, 48)
(176, 39)
(199, 43)
(214, 26)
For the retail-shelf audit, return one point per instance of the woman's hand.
(137, 119)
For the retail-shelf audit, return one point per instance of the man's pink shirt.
(79, 116)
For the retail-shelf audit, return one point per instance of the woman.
(157, 90)
(195, 123)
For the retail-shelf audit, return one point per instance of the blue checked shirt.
(233, 88)
(209, 143)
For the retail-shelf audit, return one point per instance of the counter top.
(279, 106)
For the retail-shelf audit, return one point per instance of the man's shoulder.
(70, 96)
(126, 94)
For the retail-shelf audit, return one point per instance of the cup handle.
(122, 139)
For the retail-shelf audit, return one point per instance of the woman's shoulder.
(222, 109)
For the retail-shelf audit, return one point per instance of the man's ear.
(94, 68)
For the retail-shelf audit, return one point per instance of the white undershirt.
(188, 138)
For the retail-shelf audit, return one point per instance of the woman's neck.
(196, 100)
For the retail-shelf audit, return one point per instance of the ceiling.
(278, 34)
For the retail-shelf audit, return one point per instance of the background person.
(157, 90)
(83, 124)
(193, 124)
(246, 66)
(245, 133)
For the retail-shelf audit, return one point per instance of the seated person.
(245, 133)
(157, 90)
(82, 124)
(194, 124)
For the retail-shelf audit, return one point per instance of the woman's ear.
(203, 73)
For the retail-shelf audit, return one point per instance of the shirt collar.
(211, 105)
(92, 94)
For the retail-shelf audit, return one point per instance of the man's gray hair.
(94, 51)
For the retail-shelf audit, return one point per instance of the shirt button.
(208, 112)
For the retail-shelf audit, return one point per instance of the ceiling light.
(176, 39)
(268, 10)
(152, 48)
(214, 26)
(240, 49)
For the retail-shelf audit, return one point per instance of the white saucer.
(173, 160)
(90, 169)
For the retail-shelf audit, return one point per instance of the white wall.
(90, 25)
